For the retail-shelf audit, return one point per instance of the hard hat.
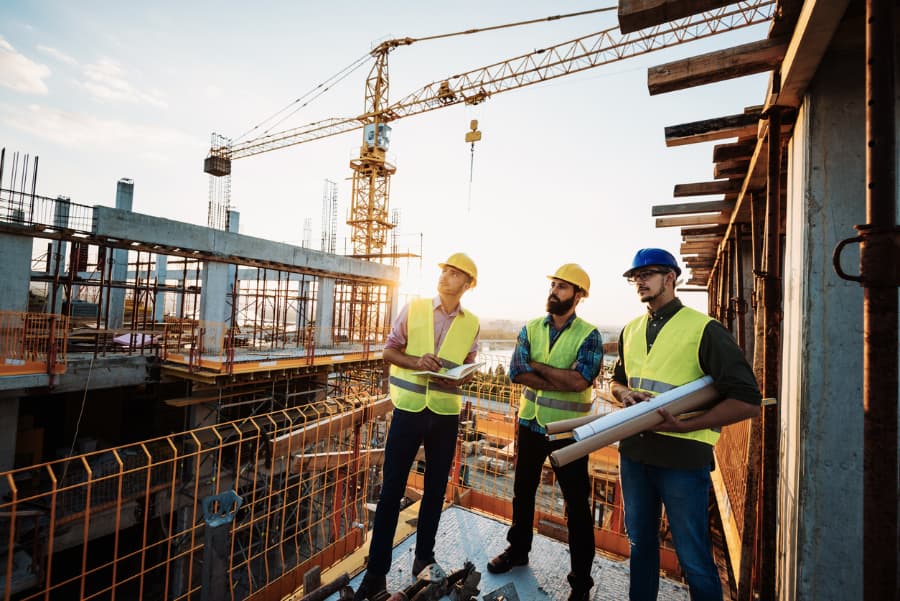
(462, 262)
(575, 275)
(652, 256)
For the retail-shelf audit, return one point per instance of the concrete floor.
(466, 535)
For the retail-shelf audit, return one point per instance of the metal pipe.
(771, 343)
(880, 535)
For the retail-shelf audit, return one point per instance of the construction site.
(189, 412)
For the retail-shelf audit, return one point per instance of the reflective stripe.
(552, 403)
(649, 385)
(405, 385)
(447, 389)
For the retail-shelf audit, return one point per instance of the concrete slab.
(465, 535)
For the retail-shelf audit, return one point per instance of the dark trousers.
(408, 431)
(531, 451)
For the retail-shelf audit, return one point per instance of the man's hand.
(669, 423)
(428, 362)
(629, 397)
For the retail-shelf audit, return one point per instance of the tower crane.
(369, 212)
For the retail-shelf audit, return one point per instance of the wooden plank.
(708, 219)
(816, 25)
(720, 65)
(734, 150)
(687, 208)
(735, 171)
(731, 126)
(702, 231)
(706, 188)
(638, 14)
(315, 462)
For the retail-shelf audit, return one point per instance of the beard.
(558, 307)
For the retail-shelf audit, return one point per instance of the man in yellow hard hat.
(557, 358)
(428, 334)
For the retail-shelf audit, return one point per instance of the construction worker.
(427, 335)
(668, 346)
(557, 358)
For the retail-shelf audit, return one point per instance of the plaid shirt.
(587, 363)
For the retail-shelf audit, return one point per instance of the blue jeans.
(408, 431)
(685, 494)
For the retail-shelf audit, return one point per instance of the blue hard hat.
(653, 256)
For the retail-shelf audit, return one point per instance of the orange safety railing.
(32, 343)
(214, 347)
(135, 521)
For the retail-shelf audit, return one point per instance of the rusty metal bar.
(880, 536)
(771, 343)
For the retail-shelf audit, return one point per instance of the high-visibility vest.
(673, 360)
(553, 405)
(414, 393)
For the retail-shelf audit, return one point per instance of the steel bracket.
(879, 256)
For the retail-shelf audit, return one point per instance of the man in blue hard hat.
(556, 359)
(666, 347)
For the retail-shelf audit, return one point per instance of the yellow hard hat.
(575, 275)
(462, 262)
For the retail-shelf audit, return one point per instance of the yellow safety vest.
(673, 360)
(414, 393)
(553, 405)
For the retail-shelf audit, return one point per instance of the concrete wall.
(15, 272)
(820, 488)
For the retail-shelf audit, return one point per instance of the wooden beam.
(709, 219)
(734, 150)
(701, 231)
(732, 126)
(316, 462)
(816, 25)
(638, 14)
(688, 208)
(706, 188)
(721, 65)
(731, 170)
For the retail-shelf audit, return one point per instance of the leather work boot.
(580, 594)
(372, 587)
(421, 564)
(507, 561)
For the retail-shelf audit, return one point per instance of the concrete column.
(215, 309)
(325, 313)
(160, 302)
(116, 317)
(15, 272)
(820, 504)
(9, 425)
(59, 247)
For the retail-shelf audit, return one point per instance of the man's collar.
(436, 302)
(667, 310)
(549, 320)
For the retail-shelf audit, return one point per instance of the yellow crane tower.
(369, 211)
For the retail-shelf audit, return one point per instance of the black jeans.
(408, 431)
(531, 451)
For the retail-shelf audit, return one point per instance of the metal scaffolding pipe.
(771, 282)
(877, 256)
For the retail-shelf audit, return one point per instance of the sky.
(567, 171)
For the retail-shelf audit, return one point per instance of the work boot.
(580, 594)
(372, 586)
(420, 564)
(507, 561)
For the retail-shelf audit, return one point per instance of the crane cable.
(518, 23)
(315, 92)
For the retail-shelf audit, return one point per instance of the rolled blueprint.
(639, 417)
(566, 425)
